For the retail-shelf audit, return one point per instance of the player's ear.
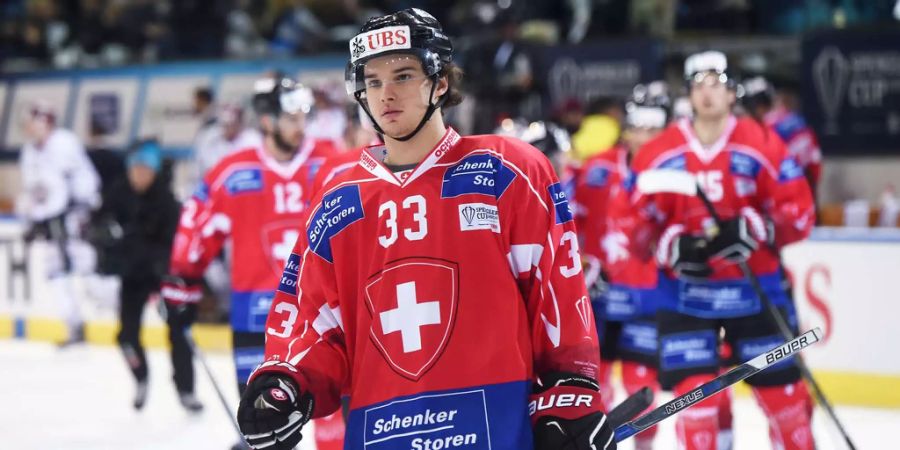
(442, 86)
(266, 123)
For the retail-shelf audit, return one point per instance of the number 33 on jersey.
(460, 279)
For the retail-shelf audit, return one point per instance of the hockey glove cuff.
(566, 413)
(735, 242)
(689, 256)
(272, 412)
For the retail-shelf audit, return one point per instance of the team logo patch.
(244, 180)
(379, 41)
(789, 170)
(288, 283)
(338, 210)
(560, 203)
(597, 177)
(479, 216)
(278, 239)
(744, 165)
(477, 174)
(688, 349)
(677, 162)
(413, 302)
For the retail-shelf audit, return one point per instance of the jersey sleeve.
(203, 227)
(84, 181)
(544, 257)
(304, 329)
(787, 199)
(594, 192)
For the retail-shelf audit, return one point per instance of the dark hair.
(204, 93)
(454, 76)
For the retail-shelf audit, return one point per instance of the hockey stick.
(212, 379)
(630, 407)
(684, 183)
(716, 385)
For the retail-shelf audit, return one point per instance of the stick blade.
(670, 181)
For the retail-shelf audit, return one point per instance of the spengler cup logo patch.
(379, 41)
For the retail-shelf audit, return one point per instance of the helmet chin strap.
(432, 107)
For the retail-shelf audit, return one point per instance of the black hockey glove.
(272, 412)
(567, 414)
(180, 297)
(733, 242)
(689, 256)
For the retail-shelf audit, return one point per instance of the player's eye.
(402, 78)
(373, 83)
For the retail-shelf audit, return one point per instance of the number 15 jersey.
(433, 297)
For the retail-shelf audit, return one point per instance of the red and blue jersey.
(434, 296)
(745, 172)
(257, 203)
(801, 141)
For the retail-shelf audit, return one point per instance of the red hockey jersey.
(434, 296)
(800, 139)
(746, 172)
(258, 203)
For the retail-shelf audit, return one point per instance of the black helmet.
(409, 31)
(277, 95)
(547, 137)
(649, 106)
(757, 91)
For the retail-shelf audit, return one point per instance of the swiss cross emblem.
(278, 241)
(412, 303)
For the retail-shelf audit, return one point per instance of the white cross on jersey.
(409, 316)
(282, 250)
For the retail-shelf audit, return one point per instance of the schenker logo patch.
(379, 41)
(412, 303)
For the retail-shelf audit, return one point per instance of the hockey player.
(775, 110)
(623, 293)
(764, 201)
(59, 189)
(438, 282)
(256, 197)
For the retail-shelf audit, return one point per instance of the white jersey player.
(59, 188)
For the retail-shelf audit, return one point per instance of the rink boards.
(845, 281)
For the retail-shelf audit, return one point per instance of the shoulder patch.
(676, 162)
(560, 203)
(477, 174)
(597, 177)
(244, 180)
(288, 283)
(789, 170)
(744, 165)
(338, 210)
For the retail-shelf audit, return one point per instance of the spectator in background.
(196, 29)
(146, 212)
(499, 72)
(227, 133)
(59, 189)
(778, 110)
(569, 115)
(203, 106)
(600, 128)
(329, 118)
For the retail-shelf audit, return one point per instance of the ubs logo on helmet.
(378, 41)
